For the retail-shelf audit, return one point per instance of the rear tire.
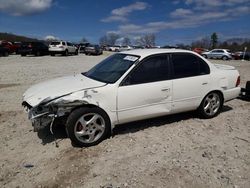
(23, 54)
(248, 88)
(52, 54)
(88, 126)
(38, 53)
(66, 53)
(211, 105)
(6, 54)
(224, 58)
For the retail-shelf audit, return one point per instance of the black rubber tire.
(6, 54)
(23, 54)
(75, 115)
(224, 58)
(38, 53)
(76, 53)
(248, 88)
(52, 54)
(201, 110)
(66, 53)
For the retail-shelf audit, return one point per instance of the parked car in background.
(125, 48)
(106, 47)
(241, 55)
(62, 47)
(138, 47)
(4, 51)
(33, 48)
(200, 50)
(82, 47)
(224, 54)
(245, 56)
(12, 48)
(131, 86)
(18, 46)
(114, 48)
(93, 50)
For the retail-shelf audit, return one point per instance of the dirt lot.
(174, 151)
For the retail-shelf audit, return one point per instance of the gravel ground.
(173, 151)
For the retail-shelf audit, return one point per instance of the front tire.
(88, 126)
(211, 105)
(205, 56)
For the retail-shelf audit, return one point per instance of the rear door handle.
(204, 83)
(165, 89)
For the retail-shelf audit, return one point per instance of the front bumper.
(40, 118)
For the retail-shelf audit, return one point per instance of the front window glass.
(152, 69)
(112, 68)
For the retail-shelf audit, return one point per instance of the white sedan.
(131, 86)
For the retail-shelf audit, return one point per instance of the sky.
(172, 21)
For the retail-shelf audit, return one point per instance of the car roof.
(147, 52)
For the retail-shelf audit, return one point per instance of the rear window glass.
(54, 43)
(188, 65)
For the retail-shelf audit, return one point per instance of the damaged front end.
(44, 114)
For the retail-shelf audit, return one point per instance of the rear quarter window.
(188, 65)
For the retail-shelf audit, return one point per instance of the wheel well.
(90, 106)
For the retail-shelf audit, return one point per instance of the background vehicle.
(114, 48)
(237, 55)
(241, 55)
(4, 51)
(63, 48)
(200, 50)
(131, 86)
(33, 48)
(93, 50)
(224, 54)
(18, 46)
(82, 47)
(11, 48)
(125, 48)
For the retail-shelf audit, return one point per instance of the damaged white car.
(131, 86)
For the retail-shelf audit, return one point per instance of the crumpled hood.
(58, 87)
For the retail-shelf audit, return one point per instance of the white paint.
(136, 102)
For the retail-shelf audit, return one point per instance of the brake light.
(30, 46)
(238, 81)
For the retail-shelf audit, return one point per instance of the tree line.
(233, 44)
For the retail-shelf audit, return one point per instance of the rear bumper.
(231, 93)
(56, 50)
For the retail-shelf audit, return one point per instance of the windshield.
(112, 68)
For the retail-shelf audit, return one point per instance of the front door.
(147, 90)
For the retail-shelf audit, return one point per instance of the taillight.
(30, 46)
(238, 81)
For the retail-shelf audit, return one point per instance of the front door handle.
(204, 83)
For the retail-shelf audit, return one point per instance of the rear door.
(191, 81)
(147, 90)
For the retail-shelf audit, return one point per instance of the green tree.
(214, 40)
